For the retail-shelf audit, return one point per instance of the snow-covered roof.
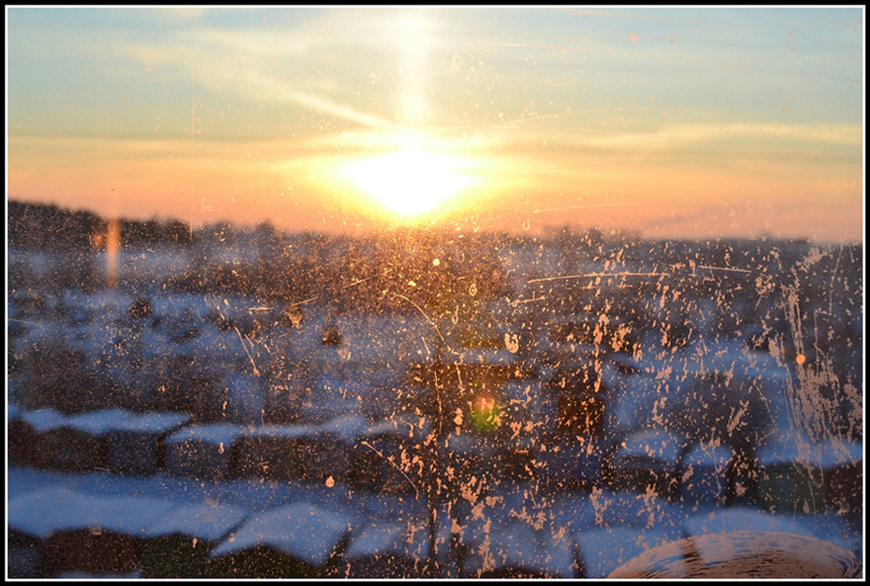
(633, 399)
(479, 518)
(99, 422)
(209, 522)
(13, 411)
(634, 509)
(279, 431)
(568, 511)
(796, 448)
(518, 545)
(50, 509)
(705, 454)
(659, 444)
(154, 421)
(390, 507)
(740, 518)
(301, 530)
(382, 537)
(44, 419)
(376, 339)
(404, 425)
(211, 433)
(346, 427)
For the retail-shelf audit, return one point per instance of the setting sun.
(410, 182)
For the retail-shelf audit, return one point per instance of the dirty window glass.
(435, 291)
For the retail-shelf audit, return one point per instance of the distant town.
(419, 403)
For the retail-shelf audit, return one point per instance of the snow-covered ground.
(517, 486)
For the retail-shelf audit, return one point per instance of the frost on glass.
(235, 399)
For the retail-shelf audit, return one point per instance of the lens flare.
(485, 414)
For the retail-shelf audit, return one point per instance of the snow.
(634, 509)
(54, 508)
(151, 422)
(217, 434)
(375, 538)
(279, 431)
(655, 444)
(408, 426)
(385, 537)
(496, 510)
(345, 428)
(354, 378)
(13, 412)
(707, 455)
(603, 550)
(43, 420)
(301, 530)
(740, 518)
(205, 521)
(390, 507)
(575, 461)
(795, 449)
(705, 472)
(519, 546)
(99, 422)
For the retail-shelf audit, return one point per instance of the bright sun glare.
(411, 175)
(410, 182)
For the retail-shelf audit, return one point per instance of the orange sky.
(501, 118)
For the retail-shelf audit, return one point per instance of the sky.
(683, 122)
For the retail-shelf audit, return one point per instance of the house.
(27, 431)
(649, 459)
(136, 444)
(202, 451)
(843, 468)
(78, 532)
(389, 456)
(271, 451)
(707, 473)
(301, 540)
(519, 550)
(790, 475)
(328, 452)
(80, 443)
(572, 463)
(389, 549)
(178, 545)
(20, 436)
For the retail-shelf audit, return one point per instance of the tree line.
(47, 227)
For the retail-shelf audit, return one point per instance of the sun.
(410, 182)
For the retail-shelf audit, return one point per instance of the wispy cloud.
(182, 12)
(547, 103)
